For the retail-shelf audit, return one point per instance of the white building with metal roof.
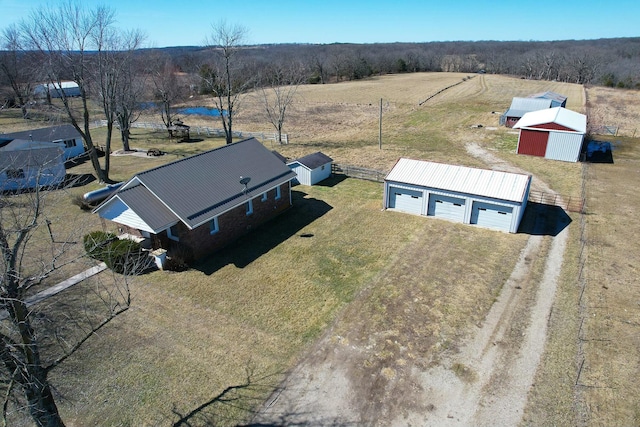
(486, 198)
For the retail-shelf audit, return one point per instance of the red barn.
(552, 133)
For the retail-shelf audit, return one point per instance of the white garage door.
(405, 200)
(491, 216)
(446, 207)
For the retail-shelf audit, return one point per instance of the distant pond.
(187, 111)
(200, 111)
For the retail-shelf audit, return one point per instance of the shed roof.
(52, 133)
(549, 95)
(314, 160)
(196, 189)
(520, 106)
(461, 179)
(558, 115)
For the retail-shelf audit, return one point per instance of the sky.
(189, 22)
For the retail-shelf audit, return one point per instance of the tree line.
(116, 76)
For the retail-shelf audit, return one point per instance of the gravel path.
(485, 384)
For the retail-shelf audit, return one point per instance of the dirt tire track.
(500, 365)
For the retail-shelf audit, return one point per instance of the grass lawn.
(209, 344)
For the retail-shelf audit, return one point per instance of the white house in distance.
(64, 136)
(56, 90)
(311, 169)
(553, 133)
(486, 198)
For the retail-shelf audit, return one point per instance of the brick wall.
(200, 242)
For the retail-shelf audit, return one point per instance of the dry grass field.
(208, 345)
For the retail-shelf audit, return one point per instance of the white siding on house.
(119, 212)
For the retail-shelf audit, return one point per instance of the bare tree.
(279, 86)
(17, 69)
(114, 79)
(166, 88)
(66, 38)
(228, 80)
(36, 249)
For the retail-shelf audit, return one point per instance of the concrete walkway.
(65, 284)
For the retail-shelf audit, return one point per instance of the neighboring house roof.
(553, 96)
(520, 106)
(461, 179)
(558, 115)
(22, 144)
(30, 158)
(196, 189)
(53, 133)
(280, 156)
(314, 160)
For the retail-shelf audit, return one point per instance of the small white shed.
(312, 168)
(486, 198)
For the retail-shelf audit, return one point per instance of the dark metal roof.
(314, 160)
(53, 133)
(30, 158)
(198, 188)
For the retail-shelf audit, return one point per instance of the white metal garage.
(487, 198)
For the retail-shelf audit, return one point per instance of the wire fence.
(568, 203)
(358, 172)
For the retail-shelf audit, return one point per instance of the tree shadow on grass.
(258, 242)
(544, 220)
(245, 401)
(72, 180)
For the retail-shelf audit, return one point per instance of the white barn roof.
(461, 179)
(558, 115)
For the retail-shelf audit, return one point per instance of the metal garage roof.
(520, 106)
(461, 179)
(558, 115)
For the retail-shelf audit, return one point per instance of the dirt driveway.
(484, 382)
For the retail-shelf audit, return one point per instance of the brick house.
(197, 205)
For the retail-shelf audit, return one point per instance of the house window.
(172, 233)
(249, 207)
(264, 197)
(15, 173)
(322, 168)
(70, 143)
(213, 226)
(278, 192)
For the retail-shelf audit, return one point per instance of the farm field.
(394, 296)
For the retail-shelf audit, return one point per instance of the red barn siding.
(533, 143)
(552, 126)
(511, 121)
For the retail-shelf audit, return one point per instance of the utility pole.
(380, 130)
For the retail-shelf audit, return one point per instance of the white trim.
(214, 227)
(171, 235)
